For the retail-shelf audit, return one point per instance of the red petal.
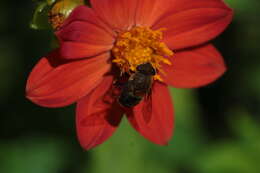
(76, 50)
(123, 14)
(84, 35)
(192, 23)
(148, 11)
(97, 118)
(118, 14)
(81, 31)
(158, 128)
(194, 67)
(56, 83)
(88, 15)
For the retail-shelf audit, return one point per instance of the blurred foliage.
(239, 155)
(216, 127)
(30, 154)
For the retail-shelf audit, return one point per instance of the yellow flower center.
(138, 46)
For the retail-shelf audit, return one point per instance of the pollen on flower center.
(138, 46)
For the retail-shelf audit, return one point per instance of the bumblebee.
(137, 86)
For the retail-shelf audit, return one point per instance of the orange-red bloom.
(117, 35)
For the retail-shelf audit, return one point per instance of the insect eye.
(153, 72)
(140, 68)
(146, 69)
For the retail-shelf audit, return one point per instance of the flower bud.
(60, 10)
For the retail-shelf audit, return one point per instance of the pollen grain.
(138, 46)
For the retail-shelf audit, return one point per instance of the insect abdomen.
(127, 97)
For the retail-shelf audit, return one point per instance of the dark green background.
(216, 130)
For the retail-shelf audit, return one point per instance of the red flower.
(125, 34)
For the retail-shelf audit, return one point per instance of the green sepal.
(50, 2)
(40, 16)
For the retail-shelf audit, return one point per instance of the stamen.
(138, 46)
(56, 20)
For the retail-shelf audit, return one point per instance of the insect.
(137, 86)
